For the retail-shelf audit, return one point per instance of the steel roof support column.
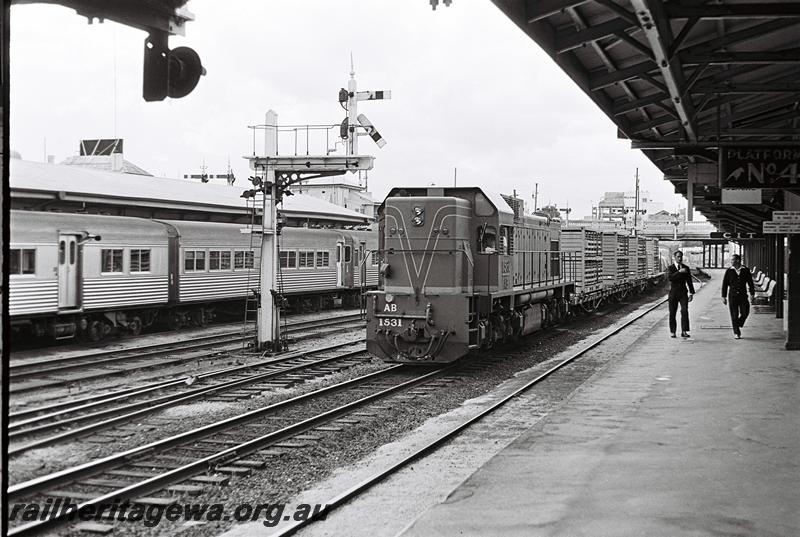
(659, 35)
(793, 317)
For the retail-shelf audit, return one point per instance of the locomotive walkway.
(677, 437)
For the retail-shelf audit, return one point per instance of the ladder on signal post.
(252, 302)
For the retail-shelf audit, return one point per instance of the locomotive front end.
(421, 314)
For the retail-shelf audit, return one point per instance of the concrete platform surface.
(677, 438)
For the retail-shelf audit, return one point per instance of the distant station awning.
(694, 84)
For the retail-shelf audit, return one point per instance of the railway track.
(28, 429)
(168, 470)
(36, 374)
(207, 456)
(293, 526)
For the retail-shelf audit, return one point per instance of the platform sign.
(757, 167)
(732, 236)
(741, 196)
(781, 227)
(786, 216)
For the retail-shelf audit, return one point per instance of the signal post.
(275, 174)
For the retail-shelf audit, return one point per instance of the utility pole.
(536, 198)
(455, 176)
(566, 210)
(636, 204)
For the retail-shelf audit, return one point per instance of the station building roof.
(43, 186)
(681, 79)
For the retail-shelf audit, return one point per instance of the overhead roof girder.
(603, 80)
(723, 58)
(770, 10)
(746, 87)
(541, 9)
(566, 41)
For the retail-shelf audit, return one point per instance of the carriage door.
(344, 263)
(362, 260)
(67, 271)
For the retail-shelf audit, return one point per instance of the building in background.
(342, 193)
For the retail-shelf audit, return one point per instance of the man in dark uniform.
(734, 293)
(681, 292)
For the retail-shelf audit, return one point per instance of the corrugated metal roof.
(137, 189)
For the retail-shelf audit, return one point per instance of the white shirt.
(738, 270)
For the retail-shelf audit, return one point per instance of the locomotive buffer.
(275, 173)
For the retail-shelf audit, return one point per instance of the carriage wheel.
(199, 317)
(94, 332)
(175, 321)
(135, 326)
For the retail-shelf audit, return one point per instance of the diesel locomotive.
(462, 268)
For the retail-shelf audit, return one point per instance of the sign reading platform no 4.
(756, 167)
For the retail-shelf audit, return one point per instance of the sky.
(469, 90)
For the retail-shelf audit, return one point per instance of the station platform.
(676, 438)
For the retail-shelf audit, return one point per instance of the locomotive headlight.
(417, 221)
(418, 210)
(389, 297)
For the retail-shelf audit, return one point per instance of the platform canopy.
(688, 82)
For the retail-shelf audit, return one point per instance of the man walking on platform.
(681, 292)
(734, 293)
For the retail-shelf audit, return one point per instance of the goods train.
(91, 275)
(461, 269)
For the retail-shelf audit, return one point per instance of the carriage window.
(72, 253)
(288, 259)
(22, 261)
(140, 260)
(374, 257)
(219, 260)
(243, 260)
(347, 254)
(194, 260)
(111, 260)
(62, 252)
(323, 259)
(305, 259)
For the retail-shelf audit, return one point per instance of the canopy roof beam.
(659, 35)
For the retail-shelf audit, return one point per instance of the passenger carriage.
(91, 275)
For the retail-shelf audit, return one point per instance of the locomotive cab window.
(483, 207)
(22, 261)
(110, 260)
(140, 260)
(487, 239)
(347, 254)
(506, 243)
